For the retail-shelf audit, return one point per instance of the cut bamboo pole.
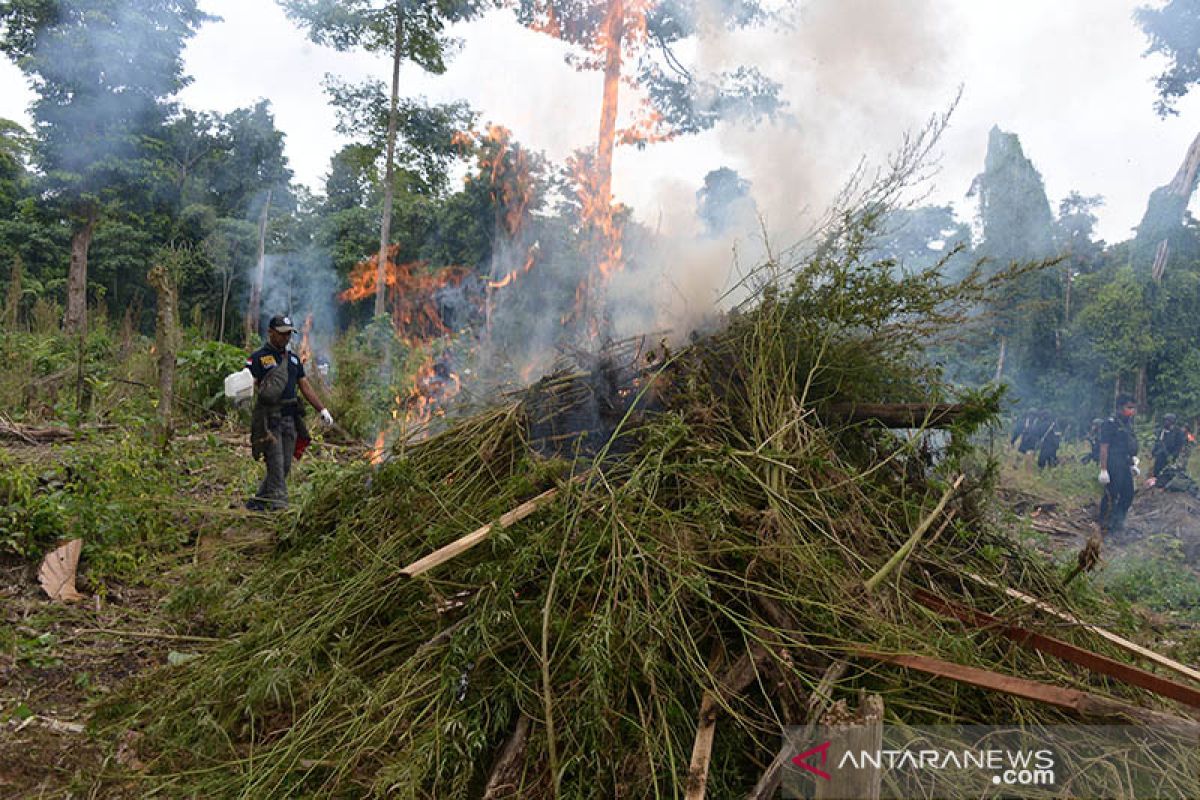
(736, 679)
(697, 778)
(462, 545)
(906, 549)
(1121, 642)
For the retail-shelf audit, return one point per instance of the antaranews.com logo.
(976, 761)
(1006, 767)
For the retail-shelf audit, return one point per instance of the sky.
(1068, 76)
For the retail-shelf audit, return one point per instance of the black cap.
(281, 323)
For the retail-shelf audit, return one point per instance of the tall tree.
(412, 30)
(103, 72)
(1018, 227)
(1174, 31)
(637, 42)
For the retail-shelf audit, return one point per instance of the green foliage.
(1117, 323)
(1174, 31)
(1159, 580)
(202, 370)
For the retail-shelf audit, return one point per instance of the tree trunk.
(1139, 391)
(385, 224)
(1067, 296)
(76, 317)
(226, 285)
(164, 342)
(614, 35)
(12, 303)
(252, 311)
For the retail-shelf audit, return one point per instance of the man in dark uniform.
(1022, 433)
(1118, 465)
(1048, 444)
(277, 373)
(1167, 445)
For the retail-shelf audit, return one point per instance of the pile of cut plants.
(477, 617)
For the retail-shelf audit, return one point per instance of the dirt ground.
(58, 659)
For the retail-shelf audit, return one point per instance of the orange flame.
(375, 454)
(434, 386)
(305, 352)
(413, 286)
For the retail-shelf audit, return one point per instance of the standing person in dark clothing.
(1168, 445)
(1118, 465)
(1048, 444)
(278, 373)
(1093, 440)
(1021, 430)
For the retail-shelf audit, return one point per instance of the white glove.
(1104, 479)
(1136, 461)
(326, 417)
(1134, 469)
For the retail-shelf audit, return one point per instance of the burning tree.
(405, 29)
(632, 42)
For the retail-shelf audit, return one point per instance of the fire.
(434, 386)
(530, 259)
(375, 454)
(306, 351)
(414, 286)
(649, 128)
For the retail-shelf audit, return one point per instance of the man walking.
(1168, 445)
(277, 374)
(1118, 465)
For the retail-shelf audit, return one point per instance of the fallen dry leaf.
(57, 573)
(127, 751)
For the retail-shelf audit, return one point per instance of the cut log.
(502, 781)
(1088, 706)
(1121, 642)
(863, 732)
(899, 415)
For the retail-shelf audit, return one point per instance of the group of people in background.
(1114, 448)
(1038, 432)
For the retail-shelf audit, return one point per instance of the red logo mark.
(801, 760)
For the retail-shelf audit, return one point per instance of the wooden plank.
(1064, 650)
(1085, 704)
(1121, 642)
(462, 545)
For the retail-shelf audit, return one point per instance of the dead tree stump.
(164, 342)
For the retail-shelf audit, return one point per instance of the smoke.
(303, 286)
(855, 74)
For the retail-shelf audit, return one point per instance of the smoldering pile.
(730, 560)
